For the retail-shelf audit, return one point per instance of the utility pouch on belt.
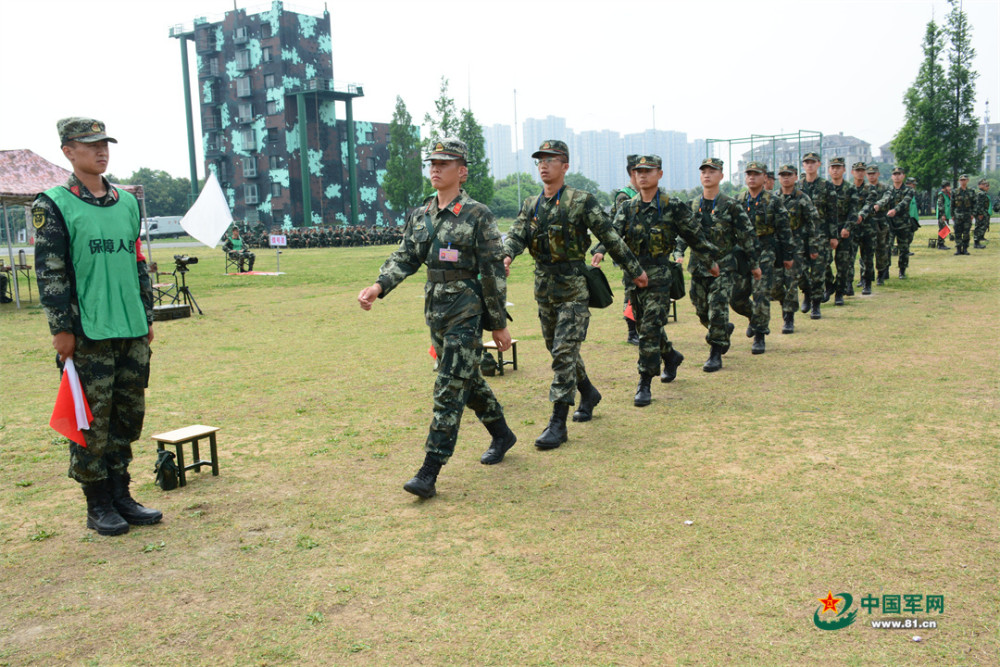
(677, 291)
(742, 261)
(598, 286)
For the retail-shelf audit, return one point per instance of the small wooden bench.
(190, 434)
(491, 345)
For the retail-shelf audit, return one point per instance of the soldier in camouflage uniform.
(555, 227)
(650, 223)
(236, 249)
(823, 197)
(896, 205)
(770, 221)
(962, 204)
(844, 197)
(727, 226)
(769, 183)
(981, 213)
(458, 240)
(619, 197)
(859, 194)
(875, 221)
(98, 298)
(807, 237)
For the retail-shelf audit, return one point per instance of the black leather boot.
(867, 289)
(880, 277)
(758, 344)
(816, 315)
(422, 483)
(902, 274)
(503, 439)
(838, 299)
(789, 326)
(670, 365)
(555, 433)
(126, 506)
(643, 395)
(749, 332)
(633, 333)
(101, 514)
(589, 398)
(714, 361)
(806, 304)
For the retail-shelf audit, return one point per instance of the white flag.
(210, 216)
(79, 407)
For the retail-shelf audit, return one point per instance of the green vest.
(102, 248)
(237, 244)
(914, 212)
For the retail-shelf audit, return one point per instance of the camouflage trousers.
(811, 276)
(867, 240)
(564, 328)
(982, 229)
(758, 311)
(852, 259)
(651, 309)
(114, 374)
(963, 228)
(843, 258)
(785, 281)
(711, 297)
(883, 257)
(459, 383)
(902, 233)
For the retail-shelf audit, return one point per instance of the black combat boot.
(643, 395)
(252, 260)
(861, 283)
(101, 514)
(902, 274)
(849, 291)
(979, 245)
(867, 289)
(730, 328)
(670, 365)
(422, 483)
(806, 304)
(758, 346)
(126, 506)
(503, 439)
(942, 246)
(633, 333)
(826, 294)
(965, 248)
(958, 249)
(789, 323)
(815, 314)
(555, 433)
(749, 332)
(838, 299)
(714, 361)
(589, 398)
(880, 277)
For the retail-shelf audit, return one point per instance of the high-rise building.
(499, 150)
(266, 91)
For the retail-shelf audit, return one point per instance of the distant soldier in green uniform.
(982, 213)
(880, 224)
(650, 223)
(619, 197)
(98, 298)
(844, 197)
(770, 220)
(859, 192)
(896, 205)
(237, 250)
(962, 204)
(555, 227)
(820, 191)
(458, 240)
(942, 209)
(726, 226)
(807, 237)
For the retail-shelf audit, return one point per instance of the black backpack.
(166, 470)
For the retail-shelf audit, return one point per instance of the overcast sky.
(711, 68)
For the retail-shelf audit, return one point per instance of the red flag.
(628, 311)
(64, 414)
(944, 231)
(432, 352)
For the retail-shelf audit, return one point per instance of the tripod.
(184, 292)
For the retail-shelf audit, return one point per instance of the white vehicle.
(164, 227)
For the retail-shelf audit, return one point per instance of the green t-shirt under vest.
(102, 248)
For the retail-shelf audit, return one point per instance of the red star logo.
(829, 602)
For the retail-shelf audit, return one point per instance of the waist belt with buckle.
(559, 268)
(448, 275)
(659, 260)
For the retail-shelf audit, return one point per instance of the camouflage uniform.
(770, 220)
(880, 223)
(114, 372)
(650, 230)
(242, 256)
(808, 236)
(824, 198)
(455, 296)
(962, 203)
(898, 200)
(556, 231)
(942, 209)
(981, 214)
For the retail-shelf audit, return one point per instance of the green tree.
(505, 202)
(580, 182)
(962, 127)
(919, 144)
(446, 122)
(164, 194)
(403, 182)
(479, 184)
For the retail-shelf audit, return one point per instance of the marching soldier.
(896, 205)
(962, 204)
(807, 237)
(982, 214)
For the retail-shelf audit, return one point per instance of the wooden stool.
(491, 345)
(190, 434)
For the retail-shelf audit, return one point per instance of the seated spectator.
(238, 252)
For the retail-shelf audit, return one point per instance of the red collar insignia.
(456, 209)
(75, 189)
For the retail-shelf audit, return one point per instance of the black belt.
(659, 260)
(561, 268)
(448, 275)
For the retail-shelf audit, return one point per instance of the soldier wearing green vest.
(237, 250)
(943, 209)
(982, 212)
(98, 299)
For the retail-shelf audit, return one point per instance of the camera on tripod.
(182, 262)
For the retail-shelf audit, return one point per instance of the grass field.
(858, 455)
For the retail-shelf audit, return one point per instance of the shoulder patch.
(38, 218)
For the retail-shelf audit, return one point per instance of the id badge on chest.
(448, 254)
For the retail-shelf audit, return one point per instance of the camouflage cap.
(84, 130)
(946, 183)
(713, 162)
(911, 179)
(648, 162)
(983, 181)
(630, 162)
(872, 169)
(859, 166)
(770, 175)
(898, 170)
(788, 169)
(837, 162)
(756, 166)
(449, 148)
(552, 147)
(811, 156)
(963, 177)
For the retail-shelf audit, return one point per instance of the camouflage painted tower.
(266, 88)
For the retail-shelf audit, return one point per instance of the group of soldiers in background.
(964, 207)
(326, 237)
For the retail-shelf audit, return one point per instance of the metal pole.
(352, 163)
(517, 151)
(145, 223)
(300, 103)
(190, 119)
(10, 250)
